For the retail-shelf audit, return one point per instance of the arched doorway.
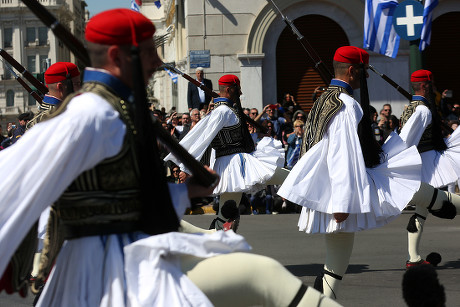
(295, 70)
(441, 56)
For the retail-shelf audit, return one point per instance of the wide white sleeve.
(200, 137)
(416, 125)
(345, 162)
(40, 166)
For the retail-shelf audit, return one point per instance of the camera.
(449, 94)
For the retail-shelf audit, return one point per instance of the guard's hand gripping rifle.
(202, 176)
(34, 81)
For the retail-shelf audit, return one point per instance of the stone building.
(33, 45)
(249, 39)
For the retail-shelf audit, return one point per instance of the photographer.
(270, 112)
(21, 129)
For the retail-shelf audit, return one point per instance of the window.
(30, 35)
(8, 37)
(6, 72)
(10, 98)
(31, 67)
(43, 65)
(42, 36)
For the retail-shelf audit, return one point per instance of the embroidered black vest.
(106, 198)
(230, 140)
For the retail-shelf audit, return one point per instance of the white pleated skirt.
(390, 186)
(244, 172)
(442, 168)
(132, 269)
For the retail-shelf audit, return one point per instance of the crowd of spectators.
(384, 122)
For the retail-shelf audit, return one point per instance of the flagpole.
(415, 55)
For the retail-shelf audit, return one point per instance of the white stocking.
(338, 252)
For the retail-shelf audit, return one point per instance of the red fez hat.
(60, 71)
(352, 55)
(421, 76)
(229, 80)
(119, 27)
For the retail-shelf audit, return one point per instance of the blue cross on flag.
(408, 20)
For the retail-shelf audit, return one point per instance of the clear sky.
(97, 6)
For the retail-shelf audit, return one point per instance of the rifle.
(392, 83)
(201, 175)
(214, 95)
(40, 86)
(24, 84)
(406, 94)
(325, 74)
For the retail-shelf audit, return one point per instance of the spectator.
(269, 113)
(294, 144)
(299, 115)
(11, 126)
(378, 132)
(455, 112)
(268, 125)
(186, 120)
(288, 127)
(253, 113)
(173, 125)
(196, 97)
(386, 110)
(392, 125)
(195, 117)
(174, 177)
(246, 111)
(253, 132)
(262, 201)
(289, 101)
(19, 131)
(445, 104)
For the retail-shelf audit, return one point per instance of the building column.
(251, 80)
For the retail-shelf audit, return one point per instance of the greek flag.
(136, 5)
(427, 18)
(379, 33)
(173, 76)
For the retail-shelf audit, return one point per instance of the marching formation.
(78, 228)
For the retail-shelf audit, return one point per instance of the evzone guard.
(241, 165)
(421, 126)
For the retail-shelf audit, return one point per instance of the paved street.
(377, 264)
